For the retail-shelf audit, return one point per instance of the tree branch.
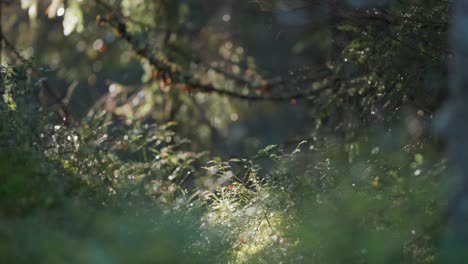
(179, 76)
(62, 108)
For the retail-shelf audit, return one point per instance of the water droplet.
(60, 11)
(226, 17)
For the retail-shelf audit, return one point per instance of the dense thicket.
(231, 131)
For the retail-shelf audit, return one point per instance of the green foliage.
(125, 183)
(65, 191)
(160, 166)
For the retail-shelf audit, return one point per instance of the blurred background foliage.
(262, 131)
